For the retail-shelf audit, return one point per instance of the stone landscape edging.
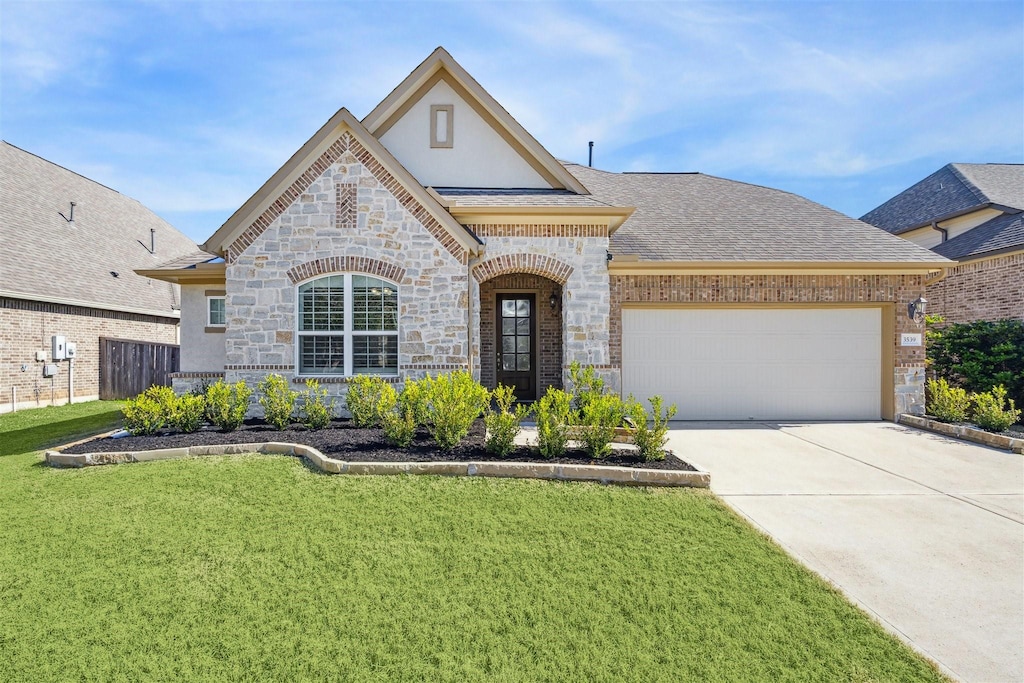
(636, 476)
(1003, 441)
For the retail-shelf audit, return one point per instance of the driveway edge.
(968, 433)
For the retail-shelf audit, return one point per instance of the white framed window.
(347, 324)
(216, 315)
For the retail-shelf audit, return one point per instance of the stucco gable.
(489, 147)
(342, 134)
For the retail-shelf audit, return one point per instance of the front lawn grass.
(258, 568)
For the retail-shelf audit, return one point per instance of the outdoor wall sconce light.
(553, 300)
(916, 309)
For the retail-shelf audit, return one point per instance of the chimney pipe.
(152, 240)
(590, 153)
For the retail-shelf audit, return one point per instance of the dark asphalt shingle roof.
(697, 217)
(953, 189)
(1000, 233)
(42, 257)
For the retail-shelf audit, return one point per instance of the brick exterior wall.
(789, 289)
(987, 289)
(548, 321)
(26, 327)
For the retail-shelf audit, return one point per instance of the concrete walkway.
(924, 532)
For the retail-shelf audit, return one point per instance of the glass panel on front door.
(515, 336)
(516, 352)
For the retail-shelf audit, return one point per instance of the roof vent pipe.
(590, 153)
(152, 242)
(70, 219)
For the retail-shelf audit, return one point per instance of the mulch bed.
(344, 441)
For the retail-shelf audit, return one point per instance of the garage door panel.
(756, 363)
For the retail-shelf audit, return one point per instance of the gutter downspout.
(470, 262)
(943, 231)
(928, 281)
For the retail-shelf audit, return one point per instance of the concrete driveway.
(924, 532)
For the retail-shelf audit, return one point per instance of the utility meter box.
(49, 370)
(70, 350)
(59, 351)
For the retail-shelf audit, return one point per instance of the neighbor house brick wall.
(349, 217)
(575, 255)
(788, 289)
(985, 289)
(27, 326)
(548, 321)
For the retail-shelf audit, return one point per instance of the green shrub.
(979, 356)
(150, 411)
(946, 403)
(991, 412)
(317, 412)
(412, 401)
(362, 399)
(553, 413)
(227, 404)
(503, 424)
(650, 439)
(398, 413)
(278, 401)
(585, 383)
(453, 402)
(600, 415)
(189, 413)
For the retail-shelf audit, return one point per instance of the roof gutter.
(957, 214)
(622, 265)
(612, 216)
(199, 274)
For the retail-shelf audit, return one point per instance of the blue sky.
(190, 106)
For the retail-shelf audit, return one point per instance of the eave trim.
(440, 61)
(626, 267)
(612, 216)
(343, 121)
(209, 274)
(22, 296)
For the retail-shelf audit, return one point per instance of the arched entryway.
(521, 333)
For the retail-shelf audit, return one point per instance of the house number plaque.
(910, 339)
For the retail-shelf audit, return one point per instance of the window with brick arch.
(347, 325)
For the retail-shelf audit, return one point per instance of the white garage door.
(762, 364)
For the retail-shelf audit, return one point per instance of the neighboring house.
(970, 213)
(437, 234)
(69, 271)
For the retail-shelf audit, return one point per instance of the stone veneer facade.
(908, 380)
(351, 217)
(983, 289)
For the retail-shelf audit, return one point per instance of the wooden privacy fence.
(127, 367)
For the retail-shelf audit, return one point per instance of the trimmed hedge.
(979, 356)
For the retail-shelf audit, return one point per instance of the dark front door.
(517, 355)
